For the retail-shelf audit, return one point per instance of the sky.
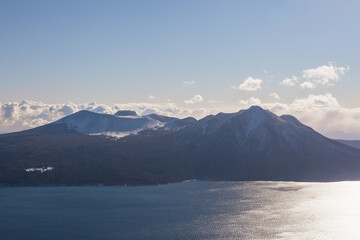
(181, 58)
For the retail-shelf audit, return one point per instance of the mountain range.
(124, 148)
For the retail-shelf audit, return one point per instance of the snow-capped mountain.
(121, 123)
(252, 144)
(86, 122)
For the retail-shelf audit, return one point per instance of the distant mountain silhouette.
(252, 144)
(125, 113)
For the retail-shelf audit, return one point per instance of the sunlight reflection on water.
(289, 210)
(191, 210)
(329, 211)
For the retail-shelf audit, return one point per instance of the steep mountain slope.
(252, 144)
(352, 143)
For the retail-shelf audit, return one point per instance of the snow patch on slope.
(93, 123)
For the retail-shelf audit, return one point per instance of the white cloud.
(315, 101)
(290, 81)
(195, 99)
(325, 75)
(307, 85)
(151, 97)
(250, 84)
(274, 95)
(325, 114)
(250, 102)
(276, 107)
(188, 83)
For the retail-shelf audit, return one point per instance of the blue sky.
(125, 51)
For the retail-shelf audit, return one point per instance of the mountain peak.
(257, 109)
(257, 112)
(125, 113)
(81, 113)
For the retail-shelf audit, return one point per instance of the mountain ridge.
(252, 144)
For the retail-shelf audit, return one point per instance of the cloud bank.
(16, 116)
(322, 112)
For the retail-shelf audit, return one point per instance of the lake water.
(190, 210)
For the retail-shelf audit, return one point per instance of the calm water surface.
(190, 210)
